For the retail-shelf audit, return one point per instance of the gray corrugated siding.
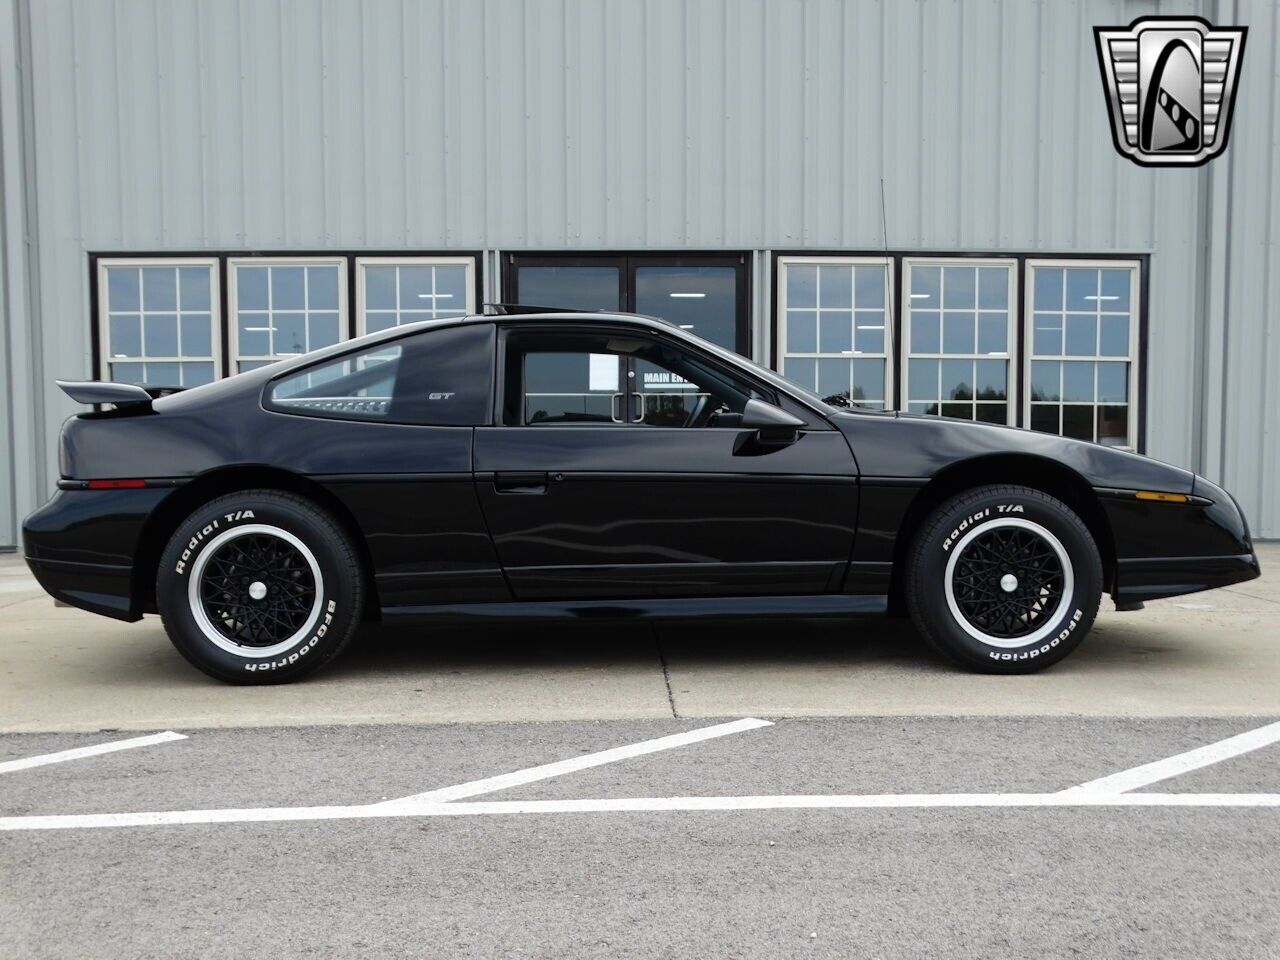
(1243, 398)
(723, 124)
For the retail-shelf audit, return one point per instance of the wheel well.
(1038, 473)
(184, 500)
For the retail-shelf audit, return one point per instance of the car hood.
(913, 445)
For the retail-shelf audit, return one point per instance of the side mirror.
(773, 425)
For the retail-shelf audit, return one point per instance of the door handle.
(520, 483)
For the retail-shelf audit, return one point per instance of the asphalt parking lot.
(815, 790)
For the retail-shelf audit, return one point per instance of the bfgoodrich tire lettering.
(1004, 579)
(259, 587)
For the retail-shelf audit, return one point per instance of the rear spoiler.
(118, 394)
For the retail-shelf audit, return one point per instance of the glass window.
(587, 378)
(1081, 350)
(392, 292)
(674, 388)
(438, 377)
(957, 339)
(283, 308)
(355, 387)
(834, 337)
(570, 287)
(564, 378)
(158, 321)
(695, 291)
(702, 300)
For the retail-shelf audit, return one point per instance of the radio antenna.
(888, 268)
(884, 220)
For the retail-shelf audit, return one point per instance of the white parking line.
(1110, 791)
(80, 752)
(1181, 763)
(1062, 799)
(561, 767)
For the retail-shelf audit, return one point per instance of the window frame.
(301, 260)
(102, 319)
(905, 355)
(361, 262)
(1136, 347)
(783, 261)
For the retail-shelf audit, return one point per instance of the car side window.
(434, 378)
(567, 377)
(675, 388)
(555, 377)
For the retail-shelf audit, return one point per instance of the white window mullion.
(929, 338)
(257, 323)
(1082, 388)
(187, 300)
(819, 364)
(429, 303)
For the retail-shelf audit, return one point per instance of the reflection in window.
(834, 335)
(285, 309)
(396, 293)
(1081, 352)
(702, 300)
(957, 336)
(676, 389)
(357, 387)
(159, 322)
(572, 387)
(570, 287)
(587, 378)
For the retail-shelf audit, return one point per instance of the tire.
(1004, 579)
(302, 588)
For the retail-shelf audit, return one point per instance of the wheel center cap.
(1008, 583)
(258, 589)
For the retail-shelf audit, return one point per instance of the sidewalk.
(1211, 654)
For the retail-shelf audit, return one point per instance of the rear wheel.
(1004, 579)
(259, 587)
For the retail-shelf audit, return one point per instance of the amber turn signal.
(1162, 497)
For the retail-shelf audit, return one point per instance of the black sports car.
(552, 465)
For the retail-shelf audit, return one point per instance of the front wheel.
(259, 587)
(1004, 579)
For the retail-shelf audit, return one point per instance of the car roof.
(544, 315)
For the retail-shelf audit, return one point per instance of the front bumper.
(1170, 549)
(1151, 578)
(82, 547)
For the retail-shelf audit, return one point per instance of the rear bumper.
(97, 587)
(82, 545)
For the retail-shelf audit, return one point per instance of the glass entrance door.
(571, 284)
(706, 295)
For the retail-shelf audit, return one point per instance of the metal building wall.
(661, 124)
(1242, 309)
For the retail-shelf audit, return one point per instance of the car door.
(618, 467)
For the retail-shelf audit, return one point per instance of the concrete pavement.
(611, 860)
(770, 883)
(1211, 654)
